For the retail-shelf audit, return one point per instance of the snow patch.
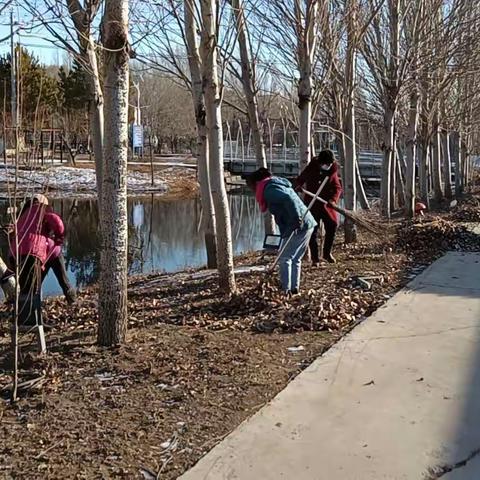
(69, 179)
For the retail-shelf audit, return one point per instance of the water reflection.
(163, 236)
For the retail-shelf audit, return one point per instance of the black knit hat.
(256, 176)
(325, 157)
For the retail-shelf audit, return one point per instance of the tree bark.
(96, 115)
(411, 153)
(388, 152)
(362, 196)
(350, 187)
(114, 253)
(215, 141)
(424, 155)
(197, 89)
(83, 23)
(455, 143)
(307, 24)
(250, 92)
(436, 166)
(447, 165)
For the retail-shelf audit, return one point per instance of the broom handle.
(315, 197)
(310, 194)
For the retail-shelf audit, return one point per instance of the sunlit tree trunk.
(83, 19)
(436, 163)
(208, 217)
(455, 142)
(411, 153)
(350, 187)
(447, 164)
(114, 253)
(250, 91)
(307, 24)
(215, 140)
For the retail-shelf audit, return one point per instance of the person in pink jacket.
(54, 231)
(36, 240)
(28, 245)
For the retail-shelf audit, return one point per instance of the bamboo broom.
(355, 218)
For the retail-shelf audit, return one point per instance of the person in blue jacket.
(293, 219)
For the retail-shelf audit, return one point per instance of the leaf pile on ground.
(468, 213)
(433, 236)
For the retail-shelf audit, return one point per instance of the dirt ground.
(196, 364)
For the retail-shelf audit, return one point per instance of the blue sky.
(35, 40)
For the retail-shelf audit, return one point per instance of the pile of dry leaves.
(434, 236)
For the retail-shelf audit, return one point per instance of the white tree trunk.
(215, 141)
(307, 25)
(388, 146)
(305, 126)
(350, 186)
(208, 217)
(411, 154)
(250, 92)
(436, 166)
(114, 253)
(96, 115)
(424, 156)
(362, 196)
(83, 24)
(447, 165)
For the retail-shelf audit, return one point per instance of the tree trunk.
(388, 146)
(400, 184)
(455, 141)
(250, 92)
(305, 126)
(350, 190)
(436, 166)
(447, 165)
(96, 115)
(114, 254)
(82, 21)
(215, 140)
(463, 162)
(307, 23)
(362, 196)
(424, 156)
(208, 218)
(411, 154)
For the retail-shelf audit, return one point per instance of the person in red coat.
(321, 167)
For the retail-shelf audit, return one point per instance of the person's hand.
(332, 203)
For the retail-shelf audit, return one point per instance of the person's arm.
(56, 226)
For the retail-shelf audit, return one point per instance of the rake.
(354, 217)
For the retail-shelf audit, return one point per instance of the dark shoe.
(329, 258)
(295, 291)
(71, 296)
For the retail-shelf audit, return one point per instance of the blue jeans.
(290, 261)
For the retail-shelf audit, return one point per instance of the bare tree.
(203, 157)
(213, 106)
(71, 27)
(250, 89)
(114, 253)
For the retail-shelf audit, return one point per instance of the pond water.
(164, 236)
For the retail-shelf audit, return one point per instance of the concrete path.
(398, 398)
